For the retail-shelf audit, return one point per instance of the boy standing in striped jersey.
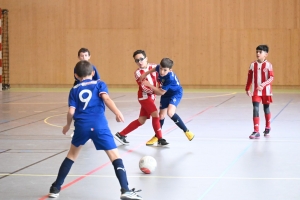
(260, 76)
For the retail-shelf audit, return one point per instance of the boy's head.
(262, 52)
(83, 69)
(165, 67)
(84, 54)
(140, 58)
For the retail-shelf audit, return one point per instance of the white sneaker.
(130, 195)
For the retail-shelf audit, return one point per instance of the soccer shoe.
(162, 142)
(189, 135)
(54, 192)
(267, 132)
(254, 135)
(129, 195)
(152, 141)
(121, 139)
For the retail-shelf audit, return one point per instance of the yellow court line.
(45, 120)
(221, 95)
(135, 100)
(38, 103)
(161, 177)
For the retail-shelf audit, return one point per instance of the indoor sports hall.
(212, 44)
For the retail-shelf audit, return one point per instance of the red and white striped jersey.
(260, 74)
(145, 92)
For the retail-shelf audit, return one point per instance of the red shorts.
(264, 99)
(147, 107)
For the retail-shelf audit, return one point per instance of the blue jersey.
(95, 77)
(89, 107)
(169, 83)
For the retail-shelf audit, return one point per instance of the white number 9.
(86, 100)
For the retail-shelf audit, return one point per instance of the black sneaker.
(121, 138)
(162, 142)
(54, 192)
(254, 135)
(267, 132)
(131, 194)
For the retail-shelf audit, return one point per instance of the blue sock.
(63, 172)
(179, 122)
(121, 173)
(161, 121)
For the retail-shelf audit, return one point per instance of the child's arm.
(144, 88)
(157, 91)
(267, 82)
(112, 106)
(248, 84)
(96, 75)
(143, 76)
(69, 120)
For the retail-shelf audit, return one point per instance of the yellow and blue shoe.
(189, 135)
(152, 141)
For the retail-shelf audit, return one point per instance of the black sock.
(63, 172)
(161, 121)
(179, 122)
(121, 173)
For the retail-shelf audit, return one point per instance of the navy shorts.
(174, 100)
(102, 138)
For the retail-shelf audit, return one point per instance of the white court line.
(161, 177)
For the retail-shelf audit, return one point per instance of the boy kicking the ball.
(171, 94)
(87, 101)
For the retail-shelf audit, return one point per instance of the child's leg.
(133, 125)
(118, 167)
(256, 116)
(267, 115)
(66, 166)
(178, 121)
(162, 114)
(156, 124)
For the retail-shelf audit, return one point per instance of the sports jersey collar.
(262, 62)
(86, 80)
(147, 68)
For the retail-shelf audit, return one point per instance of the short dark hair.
(83, 50)
(263, 47)
(139, 52)
(83, 68)
(166, 63)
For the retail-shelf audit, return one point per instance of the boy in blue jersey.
(87, 101)
(171, 94)
(84, 54)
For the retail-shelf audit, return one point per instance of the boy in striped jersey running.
(260, 76)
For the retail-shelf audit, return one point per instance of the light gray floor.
(220, 163)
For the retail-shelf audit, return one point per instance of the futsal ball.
(147, 164)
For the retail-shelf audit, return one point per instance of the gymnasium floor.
(220, 163)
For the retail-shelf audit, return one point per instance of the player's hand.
(146, 83)
(260, 88)
(66, 128)
(249, 93)
(119, 117)
(142, 77)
